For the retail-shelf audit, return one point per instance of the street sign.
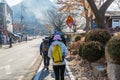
(69, 21)
(69, 25)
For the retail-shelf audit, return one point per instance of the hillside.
(32, 11)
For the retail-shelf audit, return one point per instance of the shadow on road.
(52, 75)
(44, 74)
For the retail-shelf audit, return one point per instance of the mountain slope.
(31, 10)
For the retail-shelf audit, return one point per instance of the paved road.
(16, 62)
(22, 62)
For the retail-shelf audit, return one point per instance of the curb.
(39, 72)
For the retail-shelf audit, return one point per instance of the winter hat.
(57, 37)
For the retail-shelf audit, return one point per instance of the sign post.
(69, 21)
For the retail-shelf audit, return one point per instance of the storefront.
(4, 36)
(113, 19)
(6, 26)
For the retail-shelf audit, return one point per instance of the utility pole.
(21, 18)
(22, 22)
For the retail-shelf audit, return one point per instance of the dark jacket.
(44, 46)
(63, 39)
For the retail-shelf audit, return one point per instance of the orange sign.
(69, 21)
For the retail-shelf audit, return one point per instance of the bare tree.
(56, 19)
(100, 13)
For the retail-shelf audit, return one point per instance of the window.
(115, 22)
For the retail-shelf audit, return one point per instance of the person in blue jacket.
(59, 69)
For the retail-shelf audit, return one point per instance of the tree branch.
(93, 7)
(104, 7)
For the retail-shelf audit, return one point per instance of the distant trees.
(54, 19)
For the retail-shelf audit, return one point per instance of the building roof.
(112, 13)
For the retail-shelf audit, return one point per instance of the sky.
(14, 2)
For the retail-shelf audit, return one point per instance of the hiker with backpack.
(58, 51)
(44, 46)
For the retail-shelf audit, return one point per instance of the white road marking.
(7, 69)
(21, 77)
(33, 62)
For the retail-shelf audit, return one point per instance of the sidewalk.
(6, 46)
(49, 74)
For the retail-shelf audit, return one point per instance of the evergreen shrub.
(82, 34)
(74, 47)
(92, 51)
(101, 35)
(113, 48)
(77, 38)
(80, 48)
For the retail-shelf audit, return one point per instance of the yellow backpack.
(57, 54)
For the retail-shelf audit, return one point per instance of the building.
(6, 21)
(113, 19)
(16, 27)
